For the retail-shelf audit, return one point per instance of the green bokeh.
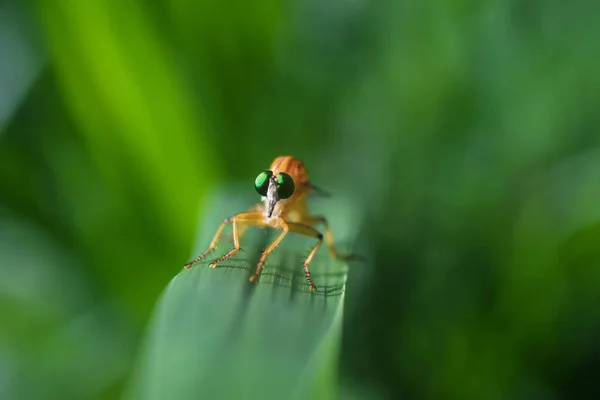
(468, 131)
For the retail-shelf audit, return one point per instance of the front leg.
(236, 239)
(280, 222)
(252, 218)
(212, 245)
(236, 244)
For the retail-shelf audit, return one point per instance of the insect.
(283, 189)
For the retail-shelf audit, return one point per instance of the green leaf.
(216, 335)
(21, 55)
(146, 144)
(52, 322)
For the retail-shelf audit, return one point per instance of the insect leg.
(236, 245)
(308, 231)
(243, 226)
(328, 235)
(215, 240)
(257, 218)
(261, 262)
(212, 245)
(237, 219)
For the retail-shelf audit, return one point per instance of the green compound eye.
(285, 185)
(261, 183)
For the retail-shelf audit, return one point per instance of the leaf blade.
(228, 338)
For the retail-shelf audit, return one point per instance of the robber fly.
(283, 189)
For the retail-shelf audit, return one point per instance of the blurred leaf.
(55, 338)
(132, 104)
(21, 59)
(230, 53)
(144, 137)
(558, 207)
(215, 335)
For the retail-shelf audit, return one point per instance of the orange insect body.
(283, 188)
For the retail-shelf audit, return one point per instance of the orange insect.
(283, 188)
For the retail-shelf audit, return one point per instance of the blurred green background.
(467, 129)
